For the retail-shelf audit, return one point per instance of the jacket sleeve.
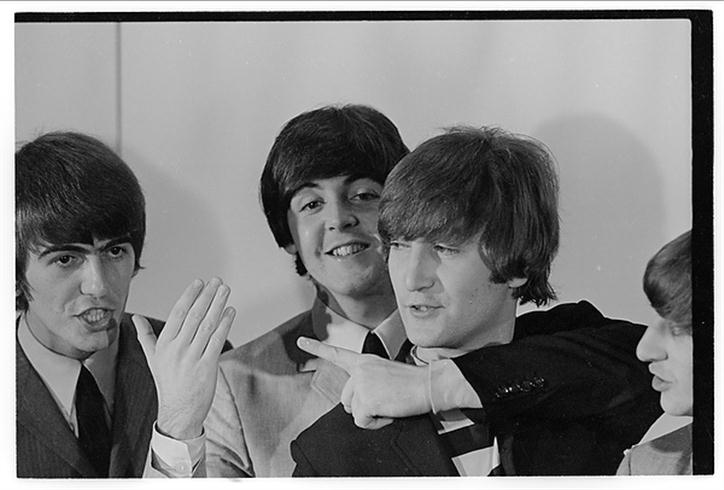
(226, 451)
(566, 362)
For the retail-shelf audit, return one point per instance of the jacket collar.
(419, 447)
(38, 412)
(135, 410)
(135, 405)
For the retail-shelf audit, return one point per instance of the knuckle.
(215, 342)
(194, 317)
(176, 315)
(206, 325)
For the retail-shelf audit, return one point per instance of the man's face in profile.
(668, 349)
(78, 293)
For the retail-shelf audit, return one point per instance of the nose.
(419, 270)
(94, 280)
(340, 215)
(650, 346)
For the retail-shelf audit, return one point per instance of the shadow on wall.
(183, 240)
(287, 296)
(612, 218)
(187, 239)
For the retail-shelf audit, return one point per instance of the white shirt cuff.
(449, 389)
(174, 457)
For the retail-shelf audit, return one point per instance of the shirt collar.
(60, 373)
(423, 356)
(334, 329)
(663, 425)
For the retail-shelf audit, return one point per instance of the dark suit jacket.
(563, 404)
(47, 448)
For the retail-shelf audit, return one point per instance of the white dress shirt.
(60, 373)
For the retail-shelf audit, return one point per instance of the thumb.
(365, 421)
(145, 335)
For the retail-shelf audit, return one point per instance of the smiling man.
(471, 221)
(87, 405)
(320, 190)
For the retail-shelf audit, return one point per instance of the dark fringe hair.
(348, 140)
(667, 281)
(72, 188)
(469, 181)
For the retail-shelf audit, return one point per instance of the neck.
(500, 334)
(368, 311)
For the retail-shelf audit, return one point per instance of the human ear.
(517, 282)
(291, 249)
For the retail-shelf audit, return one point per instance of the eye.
(678, 329)
(365, 195)
(310, 205)
(65, 260)
(445, 250)
(117, 251)
(398, 245)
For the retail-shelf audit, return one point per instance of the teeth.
(95, 315)
(346, 250)
(421, 308)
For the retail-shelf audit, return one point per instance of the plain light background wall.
(194, 108)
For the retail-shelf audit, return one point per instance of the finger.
(362, 418)
(347, 395)
(346, 359)
(211, 321)
(145, 335)
(216, 342)
(377, 423)
(197, 312)
(180, 309)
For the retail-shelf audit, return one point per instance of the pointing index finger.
(346, 359)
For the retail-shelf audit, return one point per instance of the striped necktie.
(471, 446)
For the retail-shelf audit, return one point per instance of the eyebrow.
(348, 180)
(306, 185)
(70, 247)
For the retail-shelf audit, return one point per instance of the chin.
(420, 339)
(677, 408)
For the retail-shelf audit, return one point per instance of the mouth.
(423, 310)
(348, 249)
(659, 384)
(95, 317)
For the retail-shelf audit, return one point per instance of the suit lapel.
(38, 412)
(419, 447)
(135, 406)
(329, 380)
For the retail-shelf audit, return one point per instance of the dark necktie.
(373, 345)
(93, 433)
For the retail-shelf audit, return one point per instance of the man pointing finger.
(379, 390)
